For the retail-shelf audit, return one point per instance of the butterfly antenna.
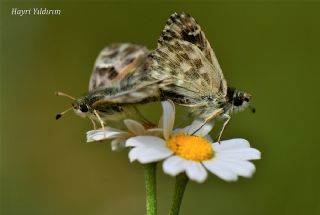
(59, 115)
(64, 94)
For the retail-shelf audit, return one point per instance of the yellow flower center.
(190, 147)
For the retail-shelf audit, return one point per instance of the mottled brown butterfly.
(112, 94)
(183, 69)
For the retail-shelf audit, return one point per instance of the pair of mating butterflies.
(183, 68)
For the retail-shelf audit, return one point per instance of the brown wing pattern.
(183, 68)
(182, 26)
(185, 73)
(114, 62)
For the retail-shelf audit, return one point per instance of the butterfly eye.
(237, 101)
(83, 108)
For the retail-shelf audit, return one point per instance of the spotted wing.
(184, 72)
(134, 87)
(183, 27)
(114, 62)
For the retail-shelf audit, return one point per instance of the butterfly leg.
(93, 123)
(99, 118)
(224, 126)
(213, 115)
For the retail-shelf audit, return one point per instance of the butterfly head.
(239, 100)
(81, 107)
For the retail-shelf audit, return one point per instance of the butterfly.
(183, 68)
(185, 61)
(111, 94)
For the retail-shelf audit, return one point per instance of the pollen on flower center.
(190, 147)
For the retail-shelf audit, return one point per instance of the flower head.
(191, 150)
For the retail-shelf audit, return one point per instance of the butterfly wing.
(114, 62)
(121, 77)
(115, 83)
(183, 27)
(185, 73)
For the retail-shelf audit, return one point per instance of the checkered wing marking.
(114, 62)
(185, 73)
(182, 26)
(134, 87)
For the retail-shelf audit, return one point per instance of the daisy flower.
(119, 136)
(185, 150)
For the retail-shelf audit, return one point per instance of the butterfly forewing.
(185, 71)
(120, 76)
(115, 85)
(114, 62)
(183, 27)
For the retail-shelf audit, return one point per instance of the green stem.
(179, 188)
(151, 188)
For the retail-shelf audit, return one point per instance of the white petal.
(199, 128)
(209, 138)
(109, 129)
(174, 165)
(145, 141)
(240, 154)
(220, 170)
(107, 133)
(149, 154)
(231, 144)
(154, 132)
(134, 126)
(168, 117)
(242, 168)
(118, 144)
(196, 172)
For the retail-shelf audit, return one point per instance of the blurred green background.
(270, 49)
